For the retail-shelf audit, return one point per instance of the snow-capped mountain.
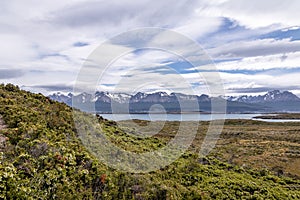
(62, 98)
(106, 97)
(273, 101)
(271, 96)
(163, 97)
(119, 97)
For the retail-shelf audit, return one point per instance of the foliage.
(43, 158)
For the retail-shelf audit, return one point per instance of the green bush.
(43, 158)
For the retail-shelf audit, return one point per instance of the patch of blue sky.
(226, 60)
(139, 52)
(42, 56)
(181, 67)
(273, 71)
(184, 67)
(229, 31)
(108, 85)
(230, 26)
(178, 63)
(294, 34)
(164, 70)
(196, 84)
(80, 44)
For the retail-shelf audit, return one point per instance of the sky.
(254, 45)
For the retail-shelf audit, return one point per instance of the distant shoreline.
(264, 114)
(287, 116)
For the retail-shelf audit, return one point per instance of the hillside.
(42, 157)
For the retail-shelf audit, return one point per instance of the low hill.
(42, 157)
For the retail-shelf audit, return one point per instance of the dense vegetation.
(42, 158)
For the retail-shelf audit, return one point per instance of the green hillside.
(42, 157)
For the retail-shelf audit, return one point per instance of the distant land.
(272, 102)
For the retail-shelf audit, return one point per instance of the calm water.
(177, 117)
(189, 117)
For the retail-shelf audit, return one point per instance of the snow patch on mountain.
(163, 97)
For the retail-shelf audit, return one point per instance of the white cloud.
(38, 39)
(236, 83)
(253, 48)
(17, 51)
(199, 26)
(258, 63)
(255, 14)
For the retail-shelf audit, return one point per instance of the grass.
(246, 143)
(43, 156)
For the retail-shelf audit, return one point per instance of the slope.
(43, 158)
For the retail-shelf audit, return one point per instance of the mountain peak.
(274, 92)
(271, 96)
(272, 101)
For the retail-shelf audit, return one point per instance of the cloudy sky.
(255, 45)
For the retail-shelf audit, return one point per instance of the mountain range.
(272, 96)
(272, 101)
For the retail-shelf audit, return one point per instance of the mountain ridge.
(161, 97)
(271, 96)
(272, 101)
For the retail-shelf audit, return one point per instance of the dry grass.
(251, 144)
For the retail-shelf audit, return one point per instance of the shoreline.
(285, 116)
